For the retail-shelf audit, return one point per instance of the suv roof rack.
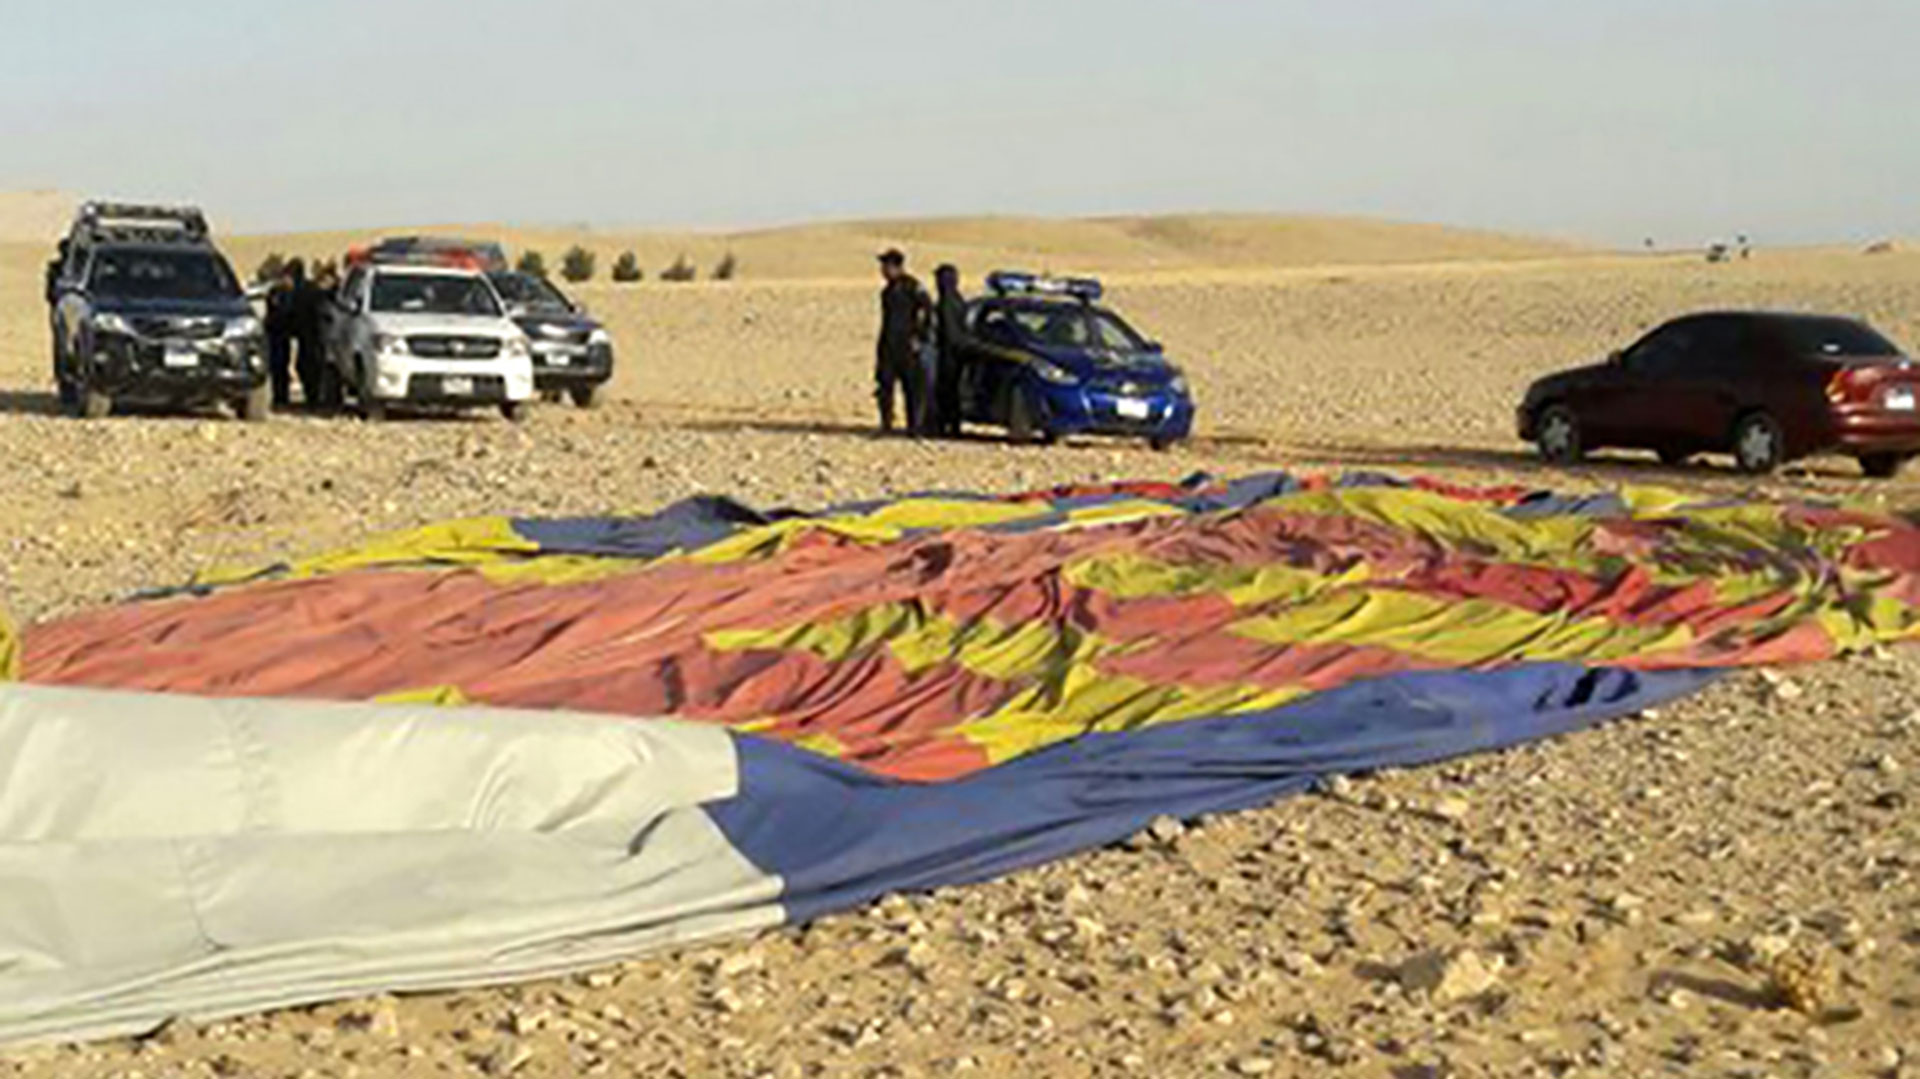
(131, 222)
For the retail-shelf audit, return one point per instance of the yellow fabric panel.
(920, 641)
(952, 513)
(770, 539)
(1462, 526)
(1867, 620)
(441, 696)
(469, 542)
(1109, 513)
(1468, 632)
(9, 649)
(1087, 701)
(1125, 575)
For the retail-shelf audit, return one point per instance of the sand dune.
(1093, 245)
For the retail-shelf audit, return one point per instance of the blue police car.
(1045, 360)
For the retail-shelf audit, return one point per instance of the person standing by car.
(309, 302)
(949, 334)
(283, 299)
(905, 312)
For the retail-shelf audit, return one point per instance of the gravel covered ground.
(1647, 899)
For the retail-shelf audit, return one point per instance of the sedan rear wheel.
(1758, 445)
(1559, 436)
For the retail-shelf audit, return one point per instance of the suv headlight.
(515, 347)
(599, 336)
(107, 322)
(244, 326)
(1054, 373)
(390, 344)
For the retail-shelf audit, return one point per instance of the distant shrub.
(270, 269)
(532, 263)
(726, 268)
(626, 268)
(681, 270)
(577, 264)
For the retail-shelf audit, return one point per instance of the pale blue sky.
(1793, 120)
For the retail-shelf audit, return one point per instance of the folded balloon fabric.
(500, 748)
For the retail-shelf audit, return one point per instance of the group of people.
(296, 341)
(920, 353)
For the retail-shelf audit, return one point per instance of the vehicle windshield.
(533, 293)
(1077, 326)
(433, 294)
(1837, 337)
(161, 274)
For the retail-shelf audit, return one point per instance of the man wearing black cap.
(905, 313)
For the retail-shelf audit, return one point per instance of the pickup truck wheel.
(1882, 466)
(95, 404)
(256, 405)
(374, 409)
(514, 411)
(588, 396)
(1758, 445)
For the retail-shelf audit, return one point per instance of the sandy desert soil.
(1611, 904)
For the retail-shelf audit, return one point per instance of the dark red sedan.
(1766, 388)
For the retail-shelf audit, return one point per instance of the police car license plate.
(1900, 399)
(456, 386)
(180, 356)
(1133, 408)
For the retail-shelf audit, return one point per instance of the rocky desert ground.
(1725, 888)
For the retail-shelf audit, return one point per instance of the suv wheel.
(1558, 436)
(1758, 445)
(588, 396)
(95, 404)
(514, 411)
(1882, 466)
(255, 406)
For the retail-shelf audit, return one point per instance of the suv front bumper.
(208, 369)
(557, 367)
(451, 382)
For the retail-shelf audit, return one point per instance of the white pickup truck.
(426, 337)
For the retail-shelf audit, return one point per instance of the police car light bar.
(1004, 282)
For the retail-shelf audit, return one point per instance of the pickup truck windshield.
(137, 274)
(433, 294)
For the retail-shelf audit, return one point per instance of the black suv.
(572, 352)
(144, 308)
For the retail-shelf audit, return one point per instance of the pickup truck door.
(344, 327)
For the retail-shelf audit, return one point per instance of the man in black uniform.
(949, 335)
(904, 315)
(308, 301)
(282, 302)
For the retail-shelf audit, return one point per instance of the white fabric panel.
(173, 856)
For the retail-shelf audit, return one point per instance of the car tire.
(257, 405)
(95, 404)
(1759, 446)
(588, 396)
(1023, 425)
(1557, 435)
(515, 411)
(1883, 466)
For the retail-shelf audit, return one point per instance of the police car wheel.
(1159, 444)
(1022, 424)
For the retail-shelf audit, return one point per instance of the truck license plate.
(1133, 408)
(181, 356)
(456, 386)
(1900, 399)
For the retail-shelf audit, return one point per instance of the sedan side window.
(1663, 354)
